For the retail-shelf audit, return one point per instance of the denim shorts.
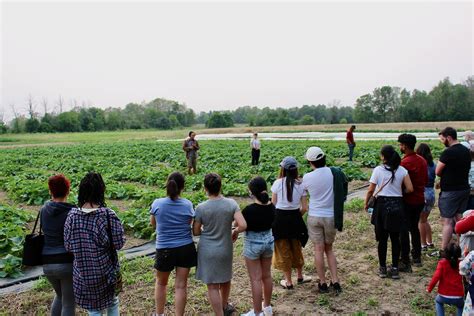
(258, 245)
(429, 199)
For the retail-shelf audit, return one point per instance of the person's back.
(279, 188)
(390, 186)
(216, 217)
(173, 218)
(53, 217)
(455, 175)
(418, 170)
(319, 184)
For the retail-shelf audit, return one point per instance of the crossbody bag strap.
(381, 188)
(36, 223)
(113, 252)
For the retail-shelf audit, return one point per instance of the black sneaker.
(394, 273)
(336, 287)
(417, 262)
(404, 267)
(323, 288)
(229, 310)
(383, 272)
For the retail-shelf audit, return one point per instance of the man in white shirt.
(321, 228)
(255, 145)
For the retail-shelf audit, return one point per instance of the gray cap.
(289, 163)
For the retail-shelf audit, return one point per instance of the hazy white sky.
(224, 55)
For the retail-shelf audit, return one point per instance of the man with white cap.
(319, 183)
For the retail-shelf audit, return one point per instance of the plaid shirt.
(85, 235)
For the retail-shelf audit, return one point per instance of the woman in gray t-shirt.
(213, 222)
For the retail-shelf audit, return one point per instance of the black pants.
(411, 217)
(255, 156)
(382, 247)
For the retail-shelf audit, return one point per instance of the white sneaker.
(267, 311)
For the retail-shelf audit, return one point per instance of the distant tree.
(363, 112)
(32, 125)
(69, 122)
(307, 120)
(217, 119)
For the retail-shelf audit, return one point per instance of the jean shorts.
(258, 245)
(429, 199)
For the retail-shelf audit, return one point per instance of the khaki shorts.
(287, 254)
(321, 229)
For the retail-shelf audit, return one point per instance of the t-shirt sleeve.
(190, 209)
(275, 186)
(375, 176)
(304, 183)
(445, 156)
(198, 214)
(234, 206)
(245, 212)
(154, 208)
(403, 171)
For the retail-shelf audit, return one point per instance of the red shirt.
(418, 171)
(465, 225)
(349, 137)
(450, 281)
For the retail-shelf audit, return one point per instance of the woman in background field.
(425, 228)
(258, 246)
(57, 262)
(215, 249)
(93, 234)
(175, 250)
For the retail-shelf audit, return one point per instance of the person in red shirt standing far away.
(350, 141)
(414, 202)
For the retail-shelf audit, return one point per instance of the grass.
(112, 136)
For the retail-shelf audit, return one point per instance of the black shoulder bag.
(118, 283)
(33, 246)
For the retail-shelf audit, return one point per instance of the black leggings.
(382, 248)
(255, 156)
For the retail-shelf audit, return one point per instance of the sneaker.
(267, 311)
(285, 285)
(252, 313)
(434, 254)
(431, 246)
(404, 267)
(304, 279)
(336, 287)
(417, 262)
(394, 273)
(383, 272)
(424, 247)
(229, 310)
(323, 288)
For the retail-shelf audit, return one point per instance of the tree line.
(445, 101)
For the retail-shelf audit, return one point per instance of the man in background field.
(191, 147)
(453, 169)
(255, 145)
(417, 168)
(350, 141)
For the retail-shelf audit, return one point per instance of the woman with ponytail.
(289, 229)
(93, 234)
(171, 217)
(213, 223)
(386, 184)
(258, 246)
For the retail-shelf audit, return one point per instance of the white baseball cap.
(314, 154)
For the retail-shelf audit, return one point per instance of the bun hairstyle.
(453, 253)
(174, 185)
(258, 187)
(392, 159)
(92, 190)
(213, 183)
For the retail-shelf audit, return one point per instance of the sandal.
(285, 285)
(304, 279)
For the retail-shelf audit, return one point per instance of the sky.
(222, 55)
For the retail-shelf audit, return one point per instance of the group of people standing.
(81, 242)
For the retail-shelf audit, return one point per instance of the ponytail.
(174, 185)
(290, 177)
(392, 159)
(258, 187)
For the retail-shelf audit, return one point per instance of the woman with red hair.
(57, 262)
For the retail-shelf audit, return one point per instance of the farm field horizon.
(135, 171)
(11, 140)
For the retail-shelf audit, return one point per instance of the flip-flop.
(285, 285)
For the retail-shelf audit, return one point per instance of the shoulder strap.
(383, 186)
(113, 252)
(36, 223)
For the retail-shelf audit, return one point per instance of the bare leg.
(180, 290)
(299, 272)
(319, 261)
(160, 290)
(225, 292)
(267, 280)
(423, 227)
(287, 275)
(332, 262)
(254, 269)
(215, 299)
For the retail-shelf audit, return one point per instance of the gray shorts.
(451, 203)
